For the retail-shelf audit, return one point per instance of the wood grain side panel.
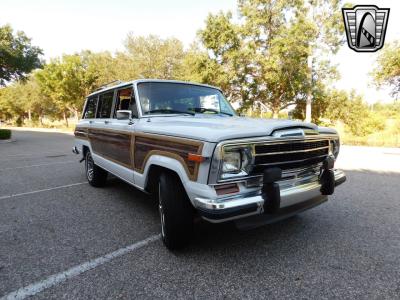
(132, 150)
(147, 145)
(114, 145)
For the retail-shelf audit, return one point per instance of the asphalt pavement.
(63, 239)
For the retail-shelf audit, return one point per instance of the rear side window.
(90, 109)
(105, 105)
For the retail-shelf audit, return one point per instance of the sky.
(65, 27)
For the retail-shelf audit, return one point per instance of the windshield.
(179, 98)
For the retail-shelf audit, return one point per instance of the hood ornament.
(300, 132)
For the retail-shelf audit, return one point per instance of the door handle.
(106, 122)
(90, 122)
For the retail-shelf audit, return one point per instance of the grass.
(387, 137)
(379, 139)
(5, 134)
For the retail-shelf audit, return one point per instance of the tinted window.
(125, 101)
(105, 105)
(90, 109)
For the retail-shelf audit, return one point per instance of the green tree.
(149, 57)
(23, 100)
(387, 71)
(351, 109)
(102, 67)
(66, 82)
(17, 56)
(325, 15)
(263, 57)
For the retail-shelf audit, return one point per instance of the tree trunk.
(41, 119)
(275, 114)
(29, 115)
(309, 95)
(65, 118)
(308, 108)
(76, 113)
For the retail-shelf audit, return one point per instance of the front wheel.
(95, 175)
(176, 212)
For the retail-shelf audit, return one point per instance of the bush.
(5, 134)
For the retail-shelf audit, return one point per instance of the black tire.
(95, 175)
(176, 212)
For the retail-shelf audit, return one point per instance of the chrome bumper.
(239, 206)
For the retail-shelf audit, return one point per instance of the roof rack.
(108, 84)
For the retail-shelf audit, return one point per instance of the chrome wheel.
(89, 167)
(161, 210)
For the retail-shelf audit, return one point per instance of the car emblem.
(302, 132)
(365, 27)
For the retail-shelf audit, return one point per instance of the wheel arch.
(158, 164)
(85, 149)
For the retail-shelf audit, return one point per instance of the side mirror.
(124, 115)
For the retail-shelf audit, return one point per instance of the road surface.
(61, 238)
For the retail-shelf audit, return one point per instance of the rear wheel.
(176, 212)
(95, 175)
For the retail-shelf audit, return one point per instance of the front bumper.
(293, 194)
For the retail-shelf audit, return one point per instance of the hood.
(215, 128)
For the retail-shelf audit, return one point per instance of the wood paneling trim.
(147, 145)
(115, 161)
(141, 146)
(115, 145)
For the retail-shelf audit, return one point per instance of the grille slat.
(290, 155)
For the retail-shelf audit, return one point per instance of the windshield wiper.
(171, 111)
(202, 109)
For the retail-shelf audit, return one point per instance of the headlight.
(231, 162)
(236, 161)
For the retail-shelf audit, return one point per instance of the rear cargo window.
(90, 110)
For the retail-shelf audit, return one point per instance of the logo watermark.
(365, 27)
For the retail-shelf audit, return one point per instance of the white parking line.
(39, 165)
(39, 191)
(55, 279)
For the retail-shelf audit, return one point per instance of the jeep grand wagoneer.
(184, 143)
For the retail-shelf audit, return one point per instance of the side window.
(90, 109)
(126, 101)
(105, 105)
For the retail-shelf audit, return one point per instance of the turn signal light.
(196, 157)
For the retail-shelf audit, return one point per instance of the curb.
(38, 129)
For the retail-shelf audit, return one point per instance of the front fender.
(192, 188)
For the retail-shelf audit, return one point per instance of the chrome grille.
(290, 154)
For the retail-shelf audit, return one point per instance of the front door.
(113, 138)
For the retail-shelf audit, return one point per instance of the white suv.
(184, 143)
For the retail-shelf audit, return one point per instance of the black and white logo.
(365, 27)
